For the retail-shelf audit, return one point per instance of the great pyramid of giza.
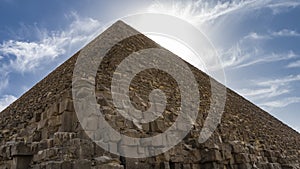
(41, 129)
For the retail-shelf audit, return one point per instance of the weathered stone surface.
(80, 164)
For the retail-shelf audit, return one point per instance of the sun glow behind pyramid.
(179, 48)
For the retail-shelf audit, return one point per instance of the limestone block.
(82, 164)
(53, 110)
(39, 156)
(51, 153)
(37, 136)
(5, 152)
(135, 164)
(237, 148)
(66, 165)
(128, 149)
(244, 166)
(84, 148)
(162, 165)
(109, 166)
(186, 166)
(241, 158)
(20, 148)
(52, 165)
(212, 165)
(99, 151)
(90, 123)
(21, 162)
(67, 122)
(44, 115)
(62, 138)
(195, 166)
(211, 156)
(37, 116)
(42, 124)
(66, 105)
(105, 160)
(226, 152)
(195, 155)
(43, 145)
(54, 121)
(268, 153)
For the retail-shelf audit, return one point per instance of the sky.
(258, 42)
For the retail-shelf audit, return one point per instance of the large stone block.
(66, 105)
(210, 156)
(241, 158)
(21, 162)
(63, 138)
(84, 148)
(68, 121)
(82, 164)
(109, 166)
(135, 164)
(21, 149)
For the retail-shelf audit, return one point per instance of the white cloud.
(6, 100)
(272, 35)
(280, 81)
(27, 56)
(281, 6)
(203, 11)
(281, 103)
(199, 12)
(265, 92)
(274, 57)
(241, 55)
(256, 36)
(3, 82)
(1, 57)
(286, 33)
(234, 56)
(294, 64)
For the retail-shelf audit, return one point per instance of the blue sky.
(258, 42)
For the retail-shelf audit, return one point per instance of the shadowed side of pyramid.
(41, 129)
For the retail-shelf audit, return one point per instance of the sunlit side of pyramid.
(40, 130)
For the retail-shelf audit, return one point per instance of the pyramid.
(41, 129)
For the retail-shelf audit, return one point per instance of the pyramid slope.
(243, 124)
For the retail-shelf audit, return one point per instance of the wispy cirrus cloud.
(268, 58)
(240, 57)
(264, 92)
(203, 11)
(3, 82)
(6, 100)
(26, 56)
(198, 12)
(21, 56)
(256, 36)
(286, 33)
(272, 93)
(295, 64)
(279, 81)
(281, 102)
(281, 6)
(272, 34)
